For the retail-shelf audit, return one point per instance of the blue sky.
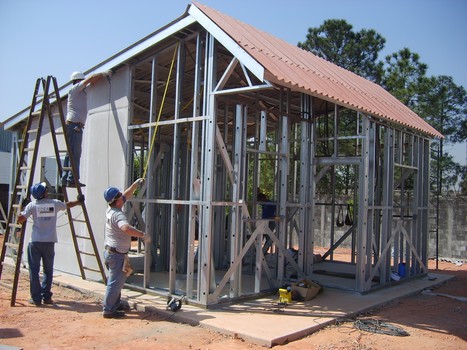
(56, 37)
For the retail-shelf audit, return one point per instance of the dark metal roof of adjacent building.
(300, 70)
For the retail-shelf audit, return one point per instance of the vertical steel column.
(243, 181)
(378, 194)
(261, 133)
(175, 169)
(237, 198)
(207, 276)
(163, 174)
(424, 173)
(194, 180)
(282, 192)
(362, 225)
(305, 254)
(417, 154)
(387, 205)
(370, 186)
(219, 212)
(312, 189)
(420, 211)
(151, 249)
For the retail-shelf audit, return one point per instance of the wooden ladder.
(13, 240)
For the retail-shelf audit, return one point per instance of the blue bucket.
(401, 270)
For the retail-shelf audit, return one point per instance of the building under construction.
(214, 113)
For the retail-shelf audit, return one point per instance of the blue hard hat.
(110, 194)
(38, 190)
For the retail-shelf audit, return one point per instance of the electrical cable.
(160, 112)
(376, 326)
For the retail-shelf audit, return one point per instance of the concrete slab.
(262, 321)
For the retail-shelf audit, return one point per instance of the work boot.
(123, 306)
(73, 184)
(32, 302)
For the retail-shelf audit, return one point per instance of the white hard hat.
(77, 76)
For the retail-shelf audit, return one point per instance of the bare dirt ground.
(75, 322)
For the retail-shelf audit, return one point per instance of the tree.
(336, 42)
(404, 76)
(452, 173)
(444, 105)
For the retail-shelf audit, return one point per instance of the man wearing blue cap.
(44, 236)
(117, 242)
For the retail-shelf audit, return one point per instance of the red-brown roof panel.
(290, 66)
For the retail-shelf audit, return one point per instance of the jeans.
(268, 243)
(38, 251)
(115, 281)
(75, 139)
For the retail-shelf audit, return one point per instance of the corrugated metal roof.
(300, 70)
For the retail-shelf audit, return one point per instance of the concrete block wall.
(452, 236)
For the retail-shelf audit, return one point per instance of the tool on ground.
(285, 295)
(175, 304)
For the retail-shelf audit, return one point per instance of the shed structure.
(209, 110)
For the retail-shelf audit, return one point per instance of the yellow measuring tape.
(160, 112)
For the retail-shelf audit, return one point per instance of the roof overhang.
(244, 57)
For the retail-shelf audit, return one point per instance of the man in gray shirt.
(77, 112)
(118, 233)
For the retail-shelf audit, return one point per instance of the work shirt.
(44, 212)
(114, 236)
(77, 104)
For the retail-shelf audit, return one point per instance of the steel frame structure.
(207, 133)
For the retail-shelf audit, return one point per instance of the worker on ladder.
(44, 236)
(77, 112)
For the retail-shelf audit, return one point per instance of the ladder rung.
(11, 245)
(82, 237)
(25, 168)
(16, 225)
(62, 151)
(66, 168)
(6, 285)
(29, 149)
(16, 205)
(86, 253)
(79, 220)
(91, 269)
(59, 133)
(31, 131)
